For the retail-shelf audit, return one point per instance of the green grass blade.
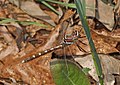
(49, 6)
(92, 47)
(84, 6)
(8, 20)
(31, 23)
(71, 5)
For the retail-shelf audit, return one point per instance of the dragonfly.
(67, 41)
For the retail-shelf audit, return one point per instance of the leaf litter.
(15, 47)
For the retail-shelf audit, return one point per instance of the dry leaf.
(110, 67)
(33, 9)
(11, 47)
(103, 46)
(103, 12)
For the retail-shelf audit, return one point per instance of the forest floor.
(30, 29)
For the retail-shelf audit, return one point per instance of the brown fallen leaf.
(106, 15)
(101, 11)
(11, 48)
(103, 46)
(56, 17)
(33, 73)
(111, 35)
(110, 67)
(31, 8)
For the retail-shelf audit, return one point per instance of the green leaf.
(66, 72)
(86, 70)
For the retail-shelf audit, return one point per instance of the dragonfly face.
(70, 39)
